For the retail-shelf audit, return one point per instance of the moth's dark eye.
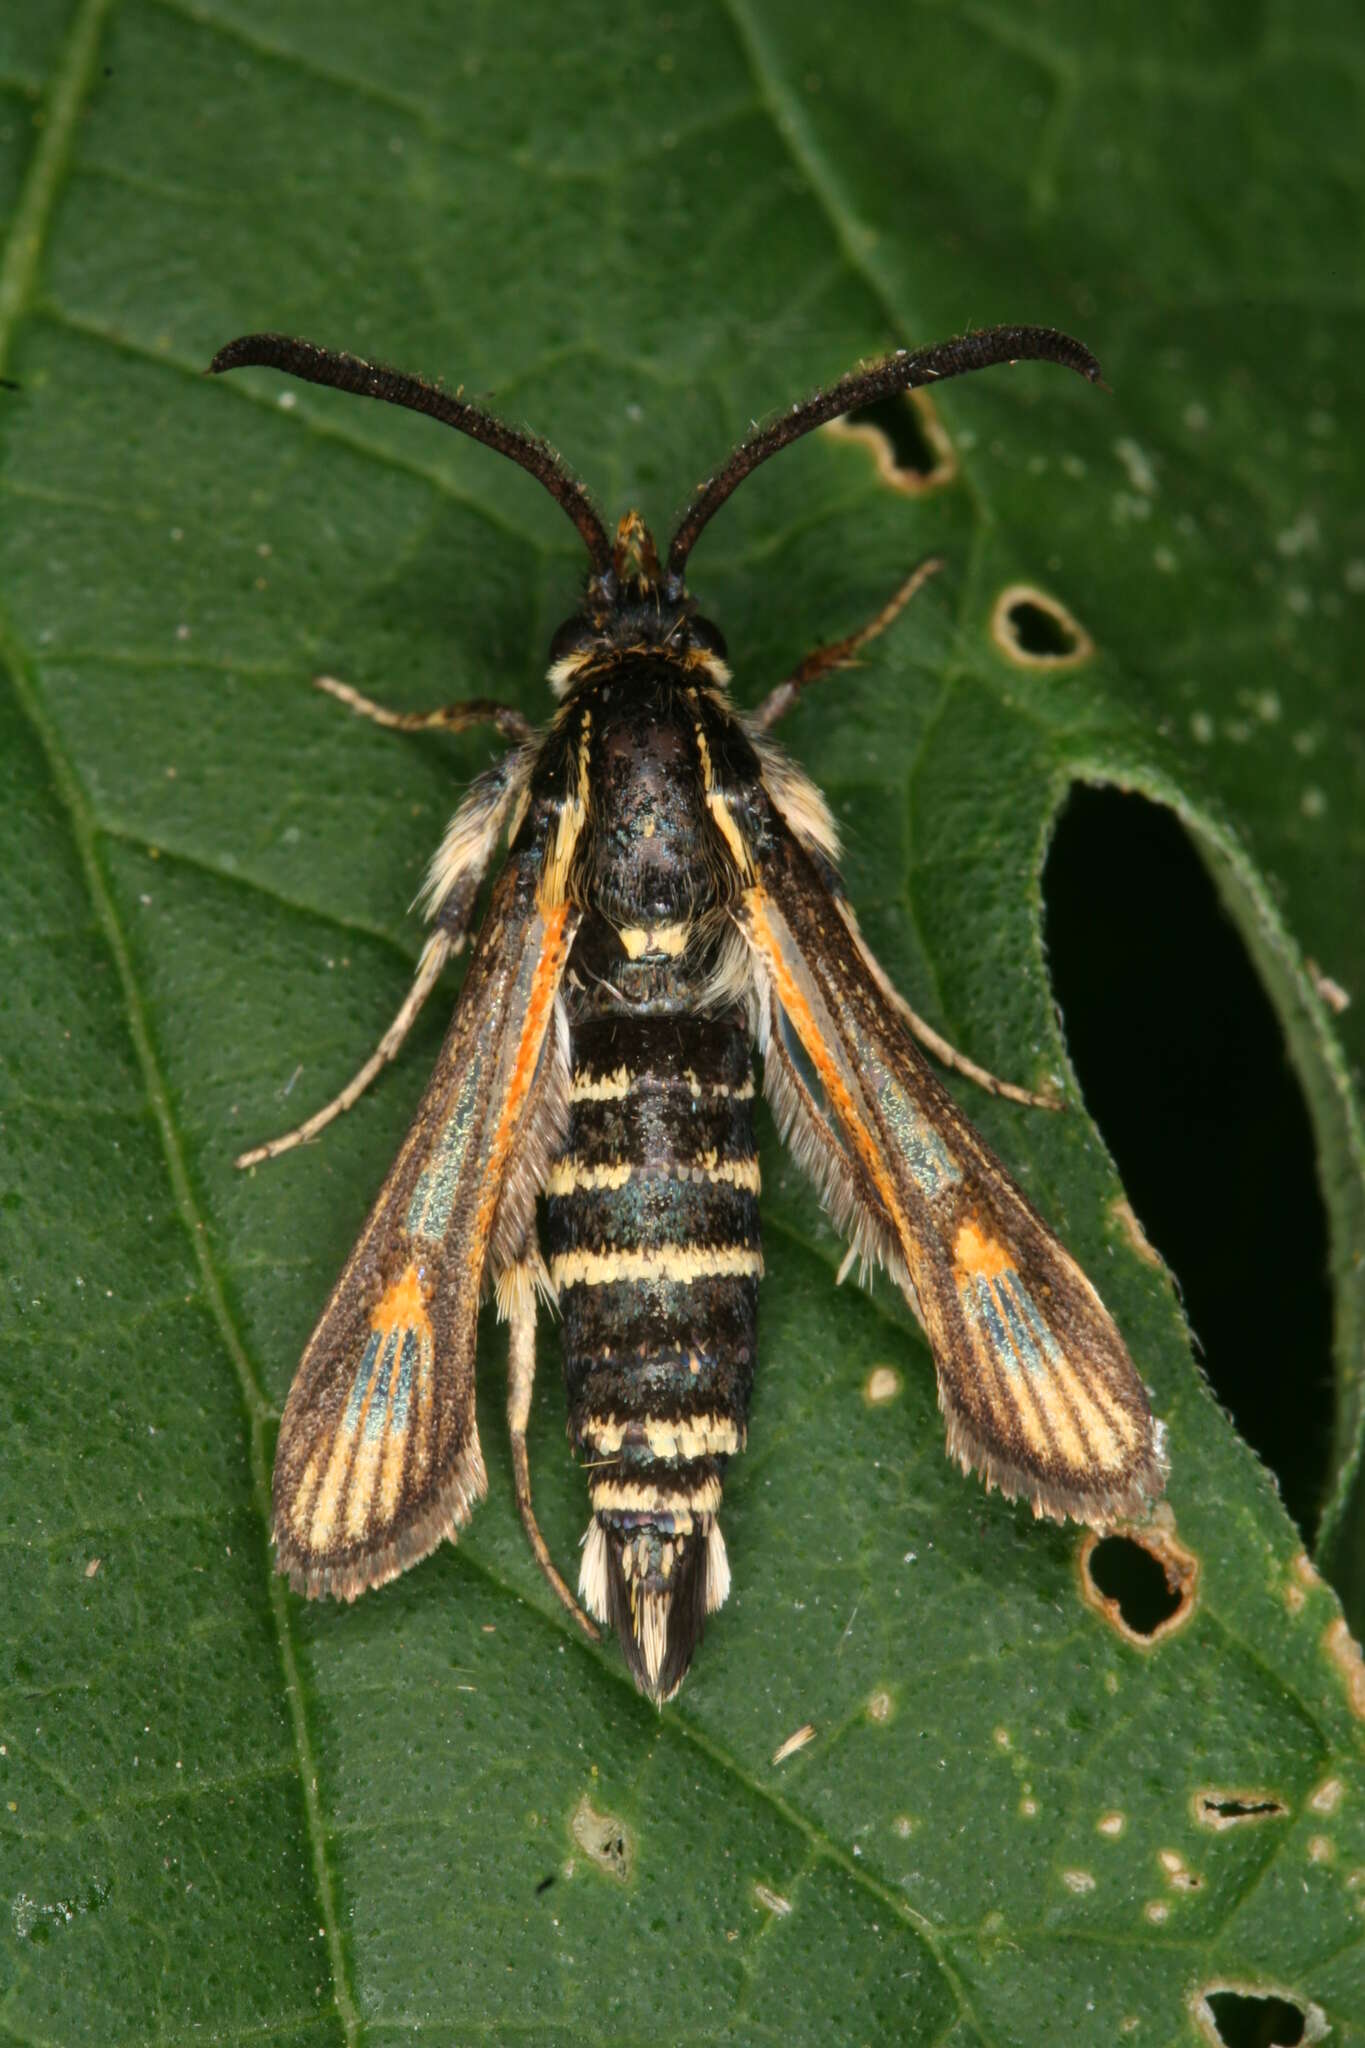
(707, 637)
(572, 635)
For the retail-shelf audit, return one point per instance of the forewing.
(1037, 1389)
(378, 1456)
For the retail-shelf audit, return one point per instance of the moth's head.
(632, 607)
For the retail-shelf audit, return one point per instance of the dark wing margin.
(378, 1457)
(1037, 1390)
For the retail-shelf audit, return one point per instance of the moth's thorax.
(652, 756)
(644, 862)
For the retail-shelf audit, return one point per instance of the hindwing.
(378, 1456)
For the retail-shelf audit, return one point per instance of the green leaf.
(228, 1816)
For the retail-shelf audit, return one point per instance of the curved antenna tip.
(904, 370)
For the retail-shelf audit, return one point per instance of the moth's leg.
(841, 653)
(948, 1056)
(517, 1301)
(449, 718)
(825, 660)
(933, 1041)
(453, 890)
(435, 954)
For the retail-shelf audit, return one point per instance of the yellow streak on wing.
(391, 1470)
(421, 1420)
(832, 1081)
(403, 1306)
(324, 1515)
(301, 1506)
(360, 1492)
(544, 987)
(1088, 1432)
(1035, 1403)
(1046, 1395)
(1019, 1409)
(354, 1462)
(974, 1252)
(1109, 1432)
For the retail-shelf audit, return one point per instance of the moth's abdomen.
(654, 1249)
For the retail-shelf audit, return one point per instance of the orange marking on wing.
(544, 986)
(402, 1306)
(974, 1253)
(832, 1081)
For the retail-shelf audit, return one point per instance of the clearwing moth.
(668, 904)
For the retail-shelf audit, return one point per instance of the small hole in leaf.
(908, 443)
(1182, 1064)
(1245, 2021)
(899, 421)
(1125, 1572)
(603, 1839)
(1036, 630)
(1231, 1809)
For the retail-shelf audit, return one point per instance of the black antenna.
(899, 372)
(372, 380)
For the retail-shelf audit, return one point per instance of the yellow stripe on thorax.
(720, 810)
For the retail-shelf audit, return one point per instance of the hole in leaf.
(1232, 1809)
(899, 422)
(604, 1839)
(907, 440)
(1182, 1063)
(1036, 630)
(1245, 2021)
(1125, 1572)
